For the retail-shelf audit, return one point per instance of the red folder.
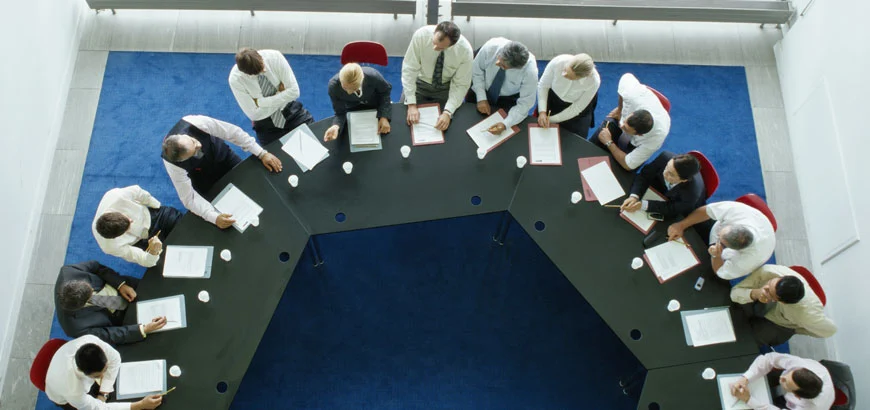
(698, 262)
(515, 129)
(645, 232)
(587, 162)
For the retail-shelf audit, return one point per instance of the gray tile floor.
(308, 33)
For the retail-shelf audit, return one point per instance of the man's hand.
(715, 250)
(383, 126)
(224, 221)
(331, 133)
(127, 292)
(740, 389)
(543, 120)
(497, 128)
(483, 107)
(616, 114)
(631, 204)
(154, 246)
(271, 162)
(413, 114)
(147, 403)
(280, 87)
(102, 397)
(155, 324)
(443, 122)
(759, 295)
(604, 136)
(675, 231)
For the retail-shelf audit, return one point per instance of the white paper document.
(485, 139)
(234, 202)
(424, 132)
(303, 146)
(602, 182)
(708, 327)
(172, 307)
(363, 128)
(758, 389)
(544, 146)
(670, 259)
(187, 261)
(140, 379)
(640, 218)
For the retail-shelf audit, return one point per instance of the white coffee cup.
(708, 374)
(405, 150)
(481, 153)
(521, 161)
(255, 221)
(175, 371)
(576, 197)
(293, 180)
(203, 296)
(636, 263)
(347, 167)
(226, 255)
(673, 305)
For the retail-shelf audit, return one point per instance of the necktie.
(439, 68)
(269, 90)
(109, 302)
(495, 88)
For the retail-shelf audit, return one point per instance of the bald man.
(357, 88)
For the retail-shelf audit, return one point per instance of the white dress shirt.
(520, 80)
(133, 202)
(419, 63)
(742, 262)
(246, 88)
(636, 96)
(765, 363)
(191, 199)
(66, 384)
(577, 92)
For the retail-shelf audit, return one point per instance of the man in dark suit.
(91, 299)
(357, 88)
(676, 177)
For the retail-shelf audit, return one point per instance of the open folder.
(640, 219)
(603, 183)
(424, 132)
(481, 136)
(708, 326)
(758, 390)
(545, 146)
(670, 259)
(140, 379)
(172, 307)
(583, 164)
(301, 145)
(244, 210)
(363, 130)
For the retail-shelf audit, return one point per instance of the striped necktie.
(439, 68)
(112, 303)
(269, 90)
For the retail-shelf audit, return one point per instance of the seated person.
(780, 303)
(82, 374)
(805, 383)
(636, 128)
(741, 240)
(504, 75)
(357, 88)
(128, 222)
(92, 299)
(196, 156)
(568, 90)
(674, 176)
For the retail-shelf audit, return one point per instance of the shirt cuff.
(257, 150)
(142, 331)
(211, 216)
(644, 205)
(151, 259)
(411, 99)
(154, 203)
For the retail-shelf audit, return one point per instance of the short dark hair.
(111, 225)
(249, 61)
(686, 166)
(172, 148)
(641, 121)
(514, 54)
(738, 236)
(74, 295)
(809, 384)
(450, 29)
(91, 359)
(790, 290)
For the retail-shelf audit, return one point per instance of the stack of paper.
(670, 259)
(363, 130)
(481, 136)
(708, 326)
(640, 219)
(140, 379)
(602, 182)
(545, 147)
(187, 261)
(172, 307)
(424, 132)
(301, 145)
(234, 202)
(758, 390)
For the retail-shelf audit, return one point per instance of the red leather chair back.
(364, 52)
(756, 202)
(840, 398)
(39, 368)
(665, 102)
(708, 173)
(814, 284)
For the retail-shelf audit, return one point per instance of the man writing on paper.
(779, 305)
(636, 128)
(569, 90)
(677, 177)
(196, 156)
(92, 299)
(436, 68)
(82, 374)
(806, 383)
(741, 240)
(266, 90)
(504, 76)
(357, 88)
(132, 225)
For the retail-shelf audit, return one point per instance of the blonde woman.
(568, 93)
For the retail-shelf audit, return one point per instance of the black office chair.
(844, 385)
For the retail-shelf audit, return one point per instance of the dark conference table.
(591, 245)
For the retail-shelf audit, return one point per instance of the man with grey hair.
(196, 157)
(504, 75)
(741, 240)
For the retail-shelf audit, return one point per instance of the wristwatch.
(609, 143)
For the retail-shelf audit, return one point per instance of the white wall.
(40, 45)
(824, 65)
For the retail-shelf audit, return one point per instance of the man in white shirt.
(266, 90)
(196, 157)
(568, 90)
(742, 238)
(636, 128)
(82, 374)
(132, 225)
(805, 384)
(504, 76)
(436, 68)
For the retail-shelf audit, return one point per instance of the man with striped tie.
(266, 90)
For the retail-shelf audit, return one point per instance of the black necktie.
(439, 67)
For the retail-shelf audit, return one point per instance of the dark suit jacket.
(682, 199)
(375, 94)
(94, 320)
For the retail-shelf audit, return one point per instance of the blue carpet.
(144, 94)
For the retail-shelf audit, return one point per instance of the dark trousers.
(202, 183)
(294, 113)
(163, 219)
(765, 332)
(94, 392)
(581, 123)
(428, 93)
(621, 140)
(504, 102)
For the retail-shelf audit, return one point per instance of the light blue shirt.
(522, 80)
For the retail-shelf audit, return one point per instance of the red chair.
(756, 202)
(665, 102)
(708, 173)
(364, 52)
(814, 284)
(39, 368)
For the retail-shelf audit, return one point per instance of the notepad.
(172, 307)
(234, 202)
(758, 390)
(363, 128)
(603, 183)
(484, 139)
(140, 379)
(640, 219)
(708, 326)
(545, 146)
(301, 145)
(424, 132)
(670, 259)
(187, 261)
